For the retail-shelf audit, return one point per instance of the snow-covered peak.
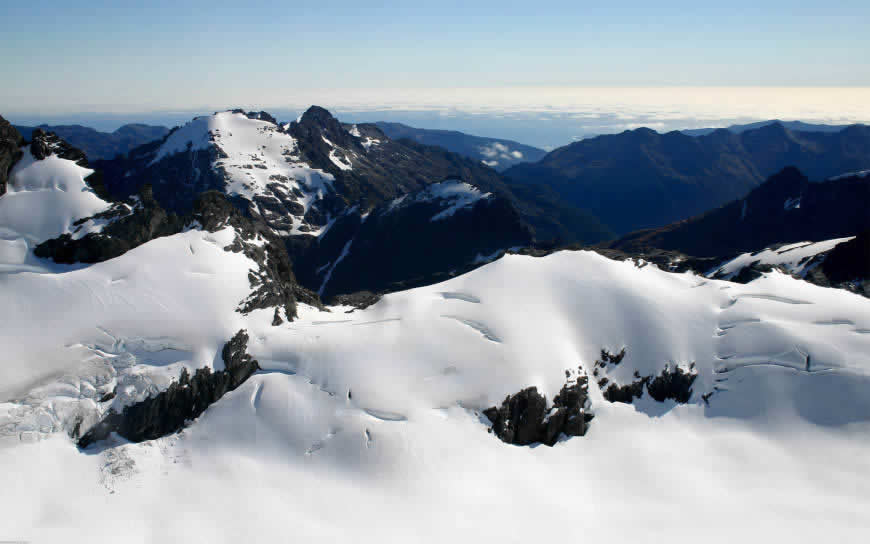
(43, 200)
(259, 159)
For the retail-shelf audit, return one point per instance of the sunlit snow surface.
(364, 426)
(43, 200)
(257, 154)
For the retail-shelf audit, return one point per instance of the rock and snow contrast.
(174, 380)
(795, 259)
(380, 409)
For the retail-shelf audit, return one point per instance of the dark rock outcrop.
(524, 418)
(10, 151)
(398, 246)
(184, 400)
(674, 384)
(127, 228)
(272, 281)
(44, 144)
(847, 266)
(359, 300)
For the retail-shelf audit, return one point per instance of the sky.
(122, 58)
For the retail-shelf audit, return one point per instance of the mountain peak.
(317, 115)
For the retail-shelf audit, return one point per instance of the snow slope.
(367, 425)
(133, 321)
(43, 200)
(254, 154)
(796, 258)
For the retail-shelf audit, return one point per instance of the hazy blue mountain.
(102, 145)
(497, 153)
(798, 126)
(643, 179)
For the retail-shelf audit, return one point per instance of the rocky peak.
(45, 144)
(10, 142)
(317, 122)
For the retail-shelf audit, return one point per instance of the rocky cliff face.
(847, 266)
(418, 239)
(10, 144)
(184, 400)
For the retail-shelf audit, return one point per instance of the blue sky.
(177, 54)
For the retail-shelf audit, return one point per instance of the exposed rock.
(398, 245)
(523, 418)
(128, 227)
(10, 152)
(184, 400)
(45, 144)
(359, 300)
(260, 115)
(847, 266)
(672, 383)
(272, 281)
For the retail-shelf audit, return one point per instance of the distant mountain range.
(799, 126)
(494, 152)
(786, 209)
(101, 145)
(642, 179)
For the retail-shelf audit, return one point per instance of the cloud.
(500, 151)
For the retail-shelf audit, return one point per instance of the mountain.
(797, 126)
(641, 179)
(787, 221)
(185, 369)
(320, 184)
(786, 208)
(101, 145)
(496, 153)
(10, 142)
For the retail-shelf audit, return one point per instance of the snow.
(793, 257)
(366, 425)
(258, 154)
(194, 135)
(369, 142)
(135, 320)
(339, 160)
(43, 200)
(344, 252)
(454, 194)
(792, 203)
(860, 174)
